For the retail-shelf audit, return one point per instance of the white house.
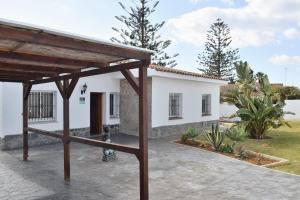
(177, 100)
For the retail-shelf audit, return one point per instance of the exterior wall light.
(83, 88)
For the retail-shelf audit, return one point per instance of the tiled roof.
(181, 72)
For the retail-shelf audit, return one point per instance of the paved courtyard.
(176, 172)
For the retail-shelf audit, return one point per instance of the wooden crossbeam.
(71, 87)
(104, 70)
(60, 88)
(46, 133)
(87, 141)
(97, 143)
(131, 80)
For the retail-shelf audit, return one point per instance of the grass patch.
(283, 142)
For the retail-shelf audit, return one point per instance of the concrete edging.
(267, 166)
(279, 161)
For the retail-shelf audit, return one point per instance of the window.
(42, 106)
(175, 106)
(114, 102)
(206, 104)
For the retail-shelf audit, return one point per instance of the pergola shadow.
(33, 55)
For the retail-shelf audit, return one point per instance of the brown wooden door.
(96, 113)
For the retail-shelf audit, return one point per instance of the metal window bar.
(114, 105)
(206, 104)
(174, 105)
(42, 106)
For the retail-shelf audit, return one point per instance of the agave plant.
(215, 137)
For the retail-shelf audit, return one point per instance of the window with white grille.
(114, 103)
(206, 104)
(175, 105)
(42, 106)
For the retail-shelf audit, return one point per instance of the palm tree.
(253, 97)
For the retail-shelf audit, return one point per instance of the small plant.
(215, 137)
(189, 134)
(227, 148)
(240, 152)
(236, 133)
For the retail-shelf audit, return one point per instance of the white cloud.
(291, 33)
(230, 2)
(196, 1)
(285, 60)
(256, 24)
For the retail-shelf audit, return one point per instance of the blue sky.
(267, 32)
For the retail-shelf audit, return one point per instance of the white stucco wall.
(227, 109)
(290, 105)
(11, 99)
(192, 89)
(192, 92)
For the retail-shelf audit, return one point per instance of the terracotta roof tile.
(181, 72)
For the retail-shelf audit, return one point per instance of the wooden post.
(143, 133)
(66, 139)
(26, 91)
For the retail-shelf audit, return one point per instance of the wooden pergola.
(33, 55)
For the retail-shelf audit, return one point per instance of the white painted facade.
(163, 83)
(191, 91)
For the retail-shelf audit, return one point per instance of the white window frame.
(114, 110)
(42, 105)
(206, 108)
(177, 113)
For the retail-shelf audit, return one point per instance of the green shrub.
(236, 133)
(215, 138)
(227, 148)
(189, 134)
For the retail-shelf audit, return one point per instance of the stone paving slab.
(176, 172)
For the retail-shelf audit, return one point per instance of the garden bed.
(252, 157)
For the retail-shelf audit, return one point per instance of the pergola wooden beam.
(71, 86)
(143, 132)
(6, 71)
(36, 68)
(21, 78)
(47, 59)
(103, 70)
(66, 131)
(58, 40)
(131, 79)
(26, 91)
(29, 54)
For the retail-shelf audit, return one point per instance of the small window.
(206, 104)
(114, 102)
(42, 106)
(175, 106)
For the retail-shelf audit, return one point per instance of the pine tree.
(218, 57)
(139, 31)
